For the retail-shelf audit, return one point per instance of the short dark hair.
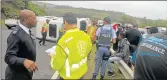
(70, 18)
(135, 26)
(122, 33)
(107, 19)
(83, 25)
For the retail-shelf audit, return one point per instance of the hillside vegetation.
(57, 10)
(11, 9)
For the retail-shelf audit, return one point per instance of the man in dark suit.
(21, 49)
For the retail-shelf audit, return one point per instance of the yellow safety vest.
(44, 27)
(70, 58)
(91, 31)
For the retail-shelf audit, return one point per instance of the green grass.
(91, 66)
(2, 21)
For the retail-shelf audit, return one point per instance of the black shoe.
(94, 77)
(102, 77)
(111, 73)
(40, 44)
(112, 62)
(44, 45)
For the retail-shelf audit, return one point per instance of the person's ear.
(65, 23)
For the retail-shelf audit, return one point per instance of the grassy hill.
(11, 9)
(57, 10)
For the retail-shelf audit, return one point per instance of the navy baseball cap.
(107, 19)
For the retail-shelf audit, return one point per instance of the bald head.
(27, 18)
(24, 14)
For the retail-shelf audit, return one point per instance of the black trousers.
(115, 45)
(44, 34)
(16, 74)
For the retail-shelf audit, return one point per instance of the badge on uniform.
(15, 31)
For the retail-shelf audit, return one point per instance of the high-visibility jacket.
(44, 27)
(70, 57)
(91, 31)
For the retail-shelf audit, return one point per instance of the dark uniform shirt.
(151, 59)
(20, 46)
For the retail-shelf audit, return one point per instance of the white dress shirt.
(24, 28)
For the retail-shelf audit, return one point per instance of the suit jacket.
(20, 46)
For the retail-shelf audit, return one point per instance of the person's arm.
(98, 33)
(58, 59)
(12, 52)
(114, 36)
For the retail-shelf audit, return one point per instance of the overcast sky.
(149, 9)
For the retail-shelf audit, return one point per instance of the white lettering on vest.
(80, 63)
(106, 35)
(154, 48)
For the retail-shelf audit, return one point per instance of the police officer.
(44, 32)
(104, 35)
(70, 57)
(21, 50)
(151, 58)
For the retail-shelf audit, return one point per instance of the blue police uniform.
(104, 34)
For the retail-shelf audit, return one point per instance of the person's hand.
(50, 55)
(30, 65)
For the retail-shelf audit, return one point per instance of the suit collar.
(24, 28)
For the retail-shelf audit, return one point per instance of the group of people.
(72, 49)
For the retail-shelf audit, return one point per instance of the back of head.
(122, 33)
(47, 20)
(83, 25)
(70, 18)
(153, 30)
(107, 20)
(135, 26)
(94, 22)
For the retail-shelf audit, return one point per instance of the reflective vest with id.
(105, 36)
(70, 58)
(44, 27)
(91, 31)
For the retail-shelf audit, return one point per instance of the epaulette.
(15, 31)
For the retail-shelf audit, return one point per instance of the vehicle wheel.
(8, 26)
(12, 28)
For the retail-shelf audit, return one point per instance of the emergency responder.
(104, 35)
(61, 32)
(21, 51)
(151, 58)
(91, 31)
(152, 30)
(70, 58)
(44, 32)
